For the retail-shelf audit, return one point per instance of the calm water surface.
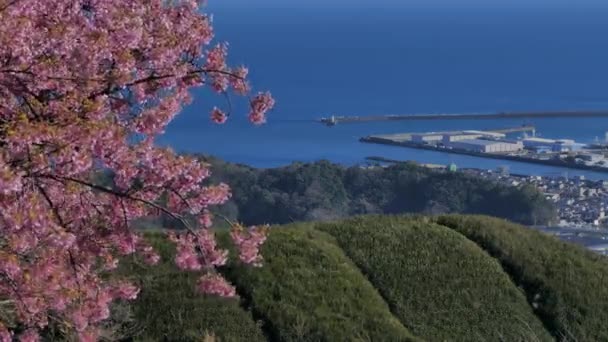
(399, 61)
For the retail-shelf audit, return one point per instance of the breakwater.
(334, 120)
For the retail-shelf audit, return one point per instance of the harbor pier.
(334, 120)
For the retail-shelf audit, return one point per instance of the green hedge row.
(442, 286)
(567, 284)
(386, 278)
(308, 290)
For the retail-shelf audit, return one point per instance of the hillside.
(391, 278)
(323, 191)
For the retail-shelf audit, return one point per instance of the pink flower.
(216, 67)
(9, 264)
(218, 116)
(260, 105)
(214, 284)
(150, 256)
(79, 320)
(89, 335)
(126, 291)
(5, 335)
(238, 80)
(186, 257)
(10, 182)
(79, 163)
(29, 335)
(248, 243)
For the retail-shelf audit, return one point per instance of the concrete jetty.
(334, 120)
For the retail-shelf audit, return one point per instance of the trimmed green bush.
(440, 285)
(169, 308)
(567, 284)
(384, 278)
(308, 290)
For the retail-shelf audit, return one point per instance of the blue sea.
(352, 60)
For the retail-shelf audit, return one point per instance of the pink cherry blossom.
(215, 285)
(126, 291)
(239, 80)
(260, 105)
(218, 116)
(5, 335)
(249, 242)
(89, 335)
(29, 336)
(86, 88)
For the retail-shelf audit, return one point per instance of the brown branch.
(111, 89)
(118, 194)
(62, 223)
(152, 78)
(54, 78)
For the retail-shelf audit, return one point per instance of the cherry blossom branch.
(152, 78)
(120, 195)
(62, 223)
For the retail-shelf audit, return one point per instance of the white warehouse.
(452, 137)
(538, 142)
(427, 137)
(486, 146)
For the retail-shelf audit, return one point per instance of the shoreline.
(550, 162)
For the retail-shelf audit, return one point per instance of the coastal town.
(580, 203)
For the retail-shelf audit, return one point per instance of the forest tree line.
(325, 191)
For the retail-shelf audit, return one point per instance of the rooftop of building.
(480, 142)
(450, 134)
(494, 134)
(543, 140)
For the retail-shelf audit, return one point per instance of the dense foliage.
(564, 283)
(169, 309)
(442, 286)
(308, 290)
(325, 191)
(455, 278)
(88, 85)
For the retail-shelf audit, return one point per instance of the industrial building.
(567, 147)
(541, 149)
(486, 146)
(452, 137)
(427, 137)
(519, 143)
(485, 134)
(541, 145)
(538, 142)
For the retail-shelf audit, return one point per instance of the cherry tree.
(86, 86)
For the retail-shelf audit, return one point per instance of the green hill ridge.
(439, 284)
(389, 278)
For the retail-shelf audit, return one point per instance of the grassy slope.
(567, 283)
(439, 284)
(308, 290)
(168, 306)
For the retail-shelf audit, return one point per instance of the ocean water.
(367, 61)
